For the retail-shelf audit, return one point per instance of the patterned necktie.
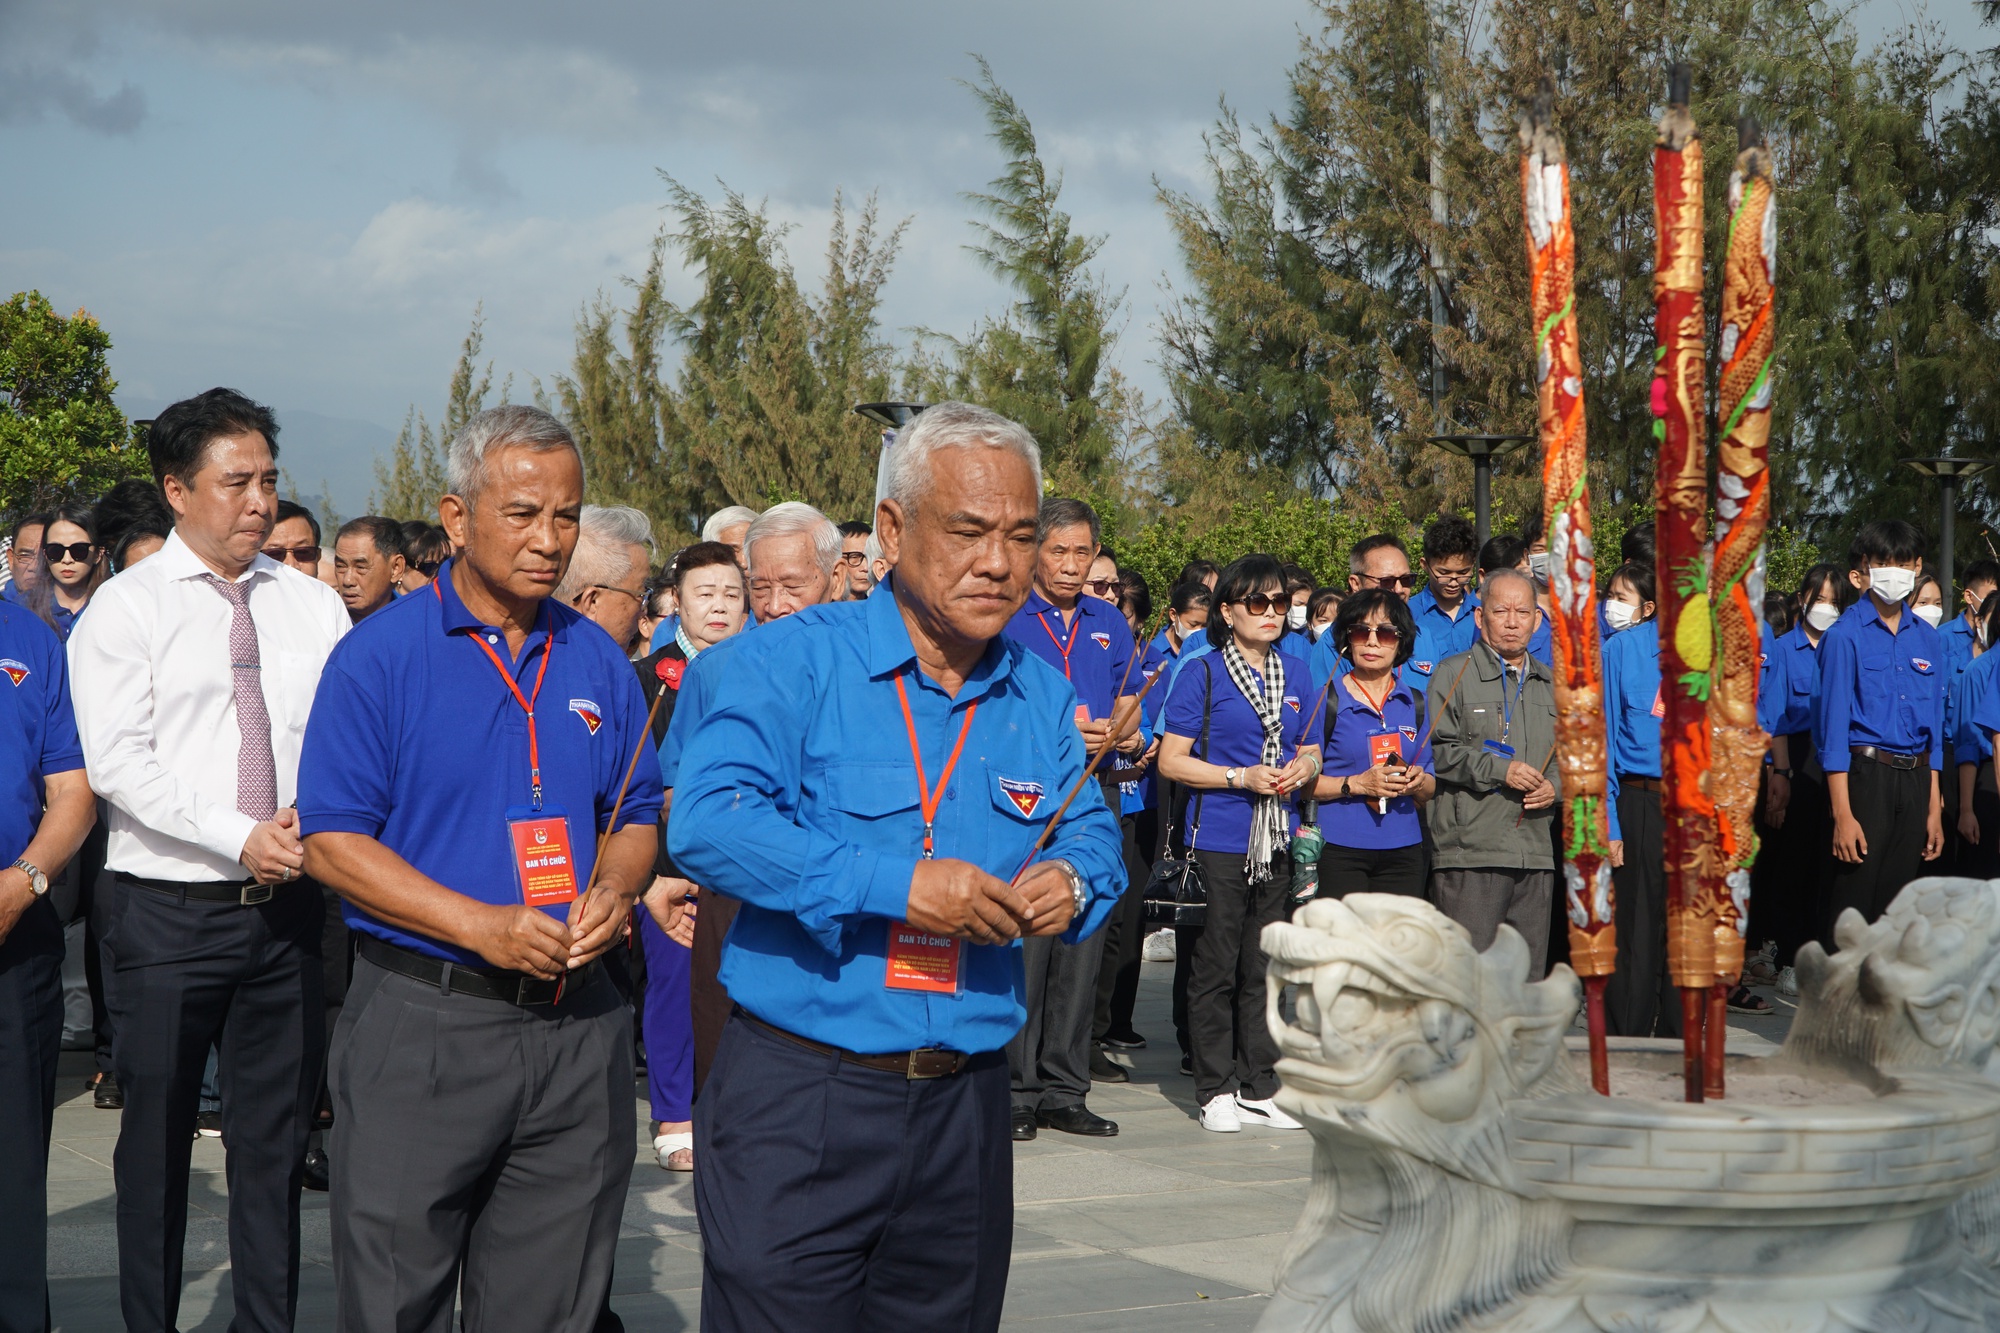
(256, 770)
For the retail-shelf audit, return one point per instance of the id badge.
(1500, 748)
(544, 862)
(921, 961)
(1082, 714)
(1384, 746)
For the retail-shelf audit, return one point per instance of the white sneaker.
(1264, 1112)
(1219, 1114)
(1788, 981)
(1159, 947)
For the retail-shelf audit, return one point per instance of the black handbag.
(1176, 892)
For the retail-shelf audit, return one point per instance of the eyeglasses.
(1102, 587)
(1389, 580)
(81, 552)
(1451, 575)
(1258, 604)
(304, 555)
(1374, 634)
(853, 557)
(610, 587)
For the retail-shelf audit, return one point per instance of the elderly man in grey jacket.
(1493, 713)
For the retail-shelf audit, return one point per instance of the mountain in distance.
(326, 458)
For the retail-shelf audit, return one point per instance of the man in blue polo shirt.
(1380, 561)
(1879, 727)
(467, 750)
(45, 809)
(1443, 610)
(1089, 643)
(871, 779)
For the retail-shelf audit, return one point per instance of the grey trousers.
(480, 1150)
(1480, 900)
(1049, 1058)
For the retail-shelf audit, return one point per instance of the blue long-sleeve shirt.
(1788, 685)
(1975, 710)
(797, 796)
(1878, 688)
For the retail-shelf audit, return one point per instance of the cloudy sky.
(307, 201)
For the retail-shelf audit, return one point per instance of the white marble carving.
(1465, 1178)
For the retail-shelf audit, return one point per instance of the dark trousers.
(1484, 900)
(1981, 860)
(186, 976)
(1227, 1027)
(1049, 1058)
(668, 1025)
(336, 947)
(709, 1005)
(1125, 932)
(481, 1150)
(848, 1200)
(1892, 806)
(31, 1019)
(1345, 870)
(1640, 999)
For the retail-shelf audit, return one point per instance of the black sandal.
(1743, 1001)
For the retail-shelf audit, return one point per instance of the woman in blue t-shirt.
(1235, 719)
(1378, 755)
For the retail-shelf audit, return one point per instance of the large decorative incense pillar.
(1736, 580)
(1579, 668)
(1687, 634)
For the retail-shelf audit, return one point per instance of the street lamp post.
(1482, 450)
(891, 417)
(1949, 472)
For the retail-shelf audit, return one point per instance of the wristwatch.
(1076, 892)
(1344, 792)
(1231, 776)
(37, 881)
(1785, 773)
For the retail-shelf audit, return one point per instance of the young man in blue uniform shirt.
(1880, 727)
(1443, 610)
(1088, 642)
(870, 779)
(467, 750)
(45, 809)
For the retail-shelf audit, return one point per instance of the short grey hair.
(605, 536)
(494, 429)
(711, 531)
(793, 518)
(1504, 574)
(1060, 512)
(951, 425)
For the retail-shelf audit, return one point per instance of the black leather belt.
(246, 892)
(486, 983)
(1889, 758)
(1638, 782)
(931, 1062)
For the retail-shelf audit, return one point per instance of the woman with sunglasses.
(71, 566)
(425, 549)
(1378, 758)
(1236, 735)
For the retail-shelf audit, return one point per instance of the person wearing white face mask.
(1975, 704)
(1798, 820)
(1879, 727)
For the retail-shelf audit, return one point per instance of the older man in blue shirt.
(870, 779)
(464, 774)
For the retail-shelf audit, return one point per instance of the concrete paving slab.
(1249, 1262)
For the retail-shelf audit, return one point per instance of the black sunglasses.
(1102, 587)
(429, 569)
(1386, 582)
(305, 555)
(81, 552)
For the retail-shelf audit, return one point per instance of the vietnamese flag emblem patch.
(14, 671)
(1026, 796)
(592, 715)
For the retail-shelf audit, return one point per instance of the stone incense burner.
(1466, 1178)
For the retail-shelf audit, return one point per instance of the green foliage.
(61, 436)
(1788, 554)
(1301, 530)
(410, 485)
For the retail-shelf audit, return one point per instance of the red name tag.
(1082, 714)
(542, 860)
(1384, 746)
(921, 961)
(1659, 703)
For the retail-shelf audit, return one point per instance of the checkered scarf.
(1270, 830)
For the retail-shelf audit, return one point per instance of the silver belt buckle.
(254, 894)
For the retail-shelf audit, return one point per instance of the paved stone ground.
(1163, 1228)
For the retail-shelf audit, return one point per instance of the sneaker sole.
(1222, 1129)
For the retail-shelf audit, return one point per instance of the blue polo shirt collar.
(456, 618)
(1424, 603)
(890, 651)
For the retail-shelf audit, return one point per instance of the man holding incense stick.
(870, 780)
(464, 787)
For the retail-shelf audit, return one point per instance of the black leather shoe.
(1103, 1069)
(1024, 1126)
(108, 1096)
(316, 1170)
(1077, 1120)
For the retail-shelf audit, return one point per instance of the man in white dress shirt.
(192, 680)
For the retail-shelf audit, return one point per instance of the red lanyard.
(1076, 627)
(927, 799)
(527, 703)
(1377, 704)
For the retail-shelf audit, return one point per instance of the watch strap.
(38, 881)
